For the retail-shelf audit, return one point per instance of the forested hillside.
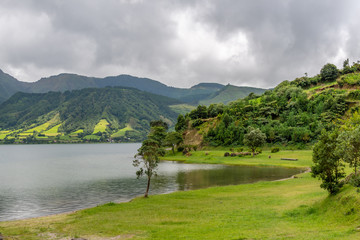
(293, 113)
(105, 114)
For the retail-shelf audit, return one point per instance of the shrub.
(354, 95)
(349, 79)
(329, 72)
(275, 150)
(197, 123)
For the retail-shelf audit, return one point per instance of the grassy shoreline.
(293, 209)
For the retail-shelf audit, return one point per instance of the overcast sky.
(180, 43)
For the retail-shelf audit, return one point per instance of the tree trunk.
(147, 188)
(173, 149)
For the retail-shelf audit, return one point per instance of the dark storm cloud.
(180, 43)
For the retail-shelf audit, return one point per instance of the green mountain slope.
(230, 93)
(97, 112)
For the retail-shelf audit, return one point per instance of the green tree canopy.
(254, 139)
(173, 139)
(327, 162)
(147, 158)
(349, 147)
(329, 72)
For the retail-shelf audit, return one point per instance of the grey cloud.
(285, 39)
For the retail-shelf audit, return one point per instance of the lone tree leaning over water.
(147, 158)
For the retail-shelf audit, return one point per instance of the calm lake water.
(38, 180)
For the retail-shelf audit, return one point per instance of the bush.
(197, 123)
(349, 79)
(240, 149)
(275, 150)
(329, 72)
(354, 95)
(226, 154)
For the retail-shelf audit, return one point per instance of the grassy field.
(92, 137)
(52, 131)
(122, 131)
(101, 126)
(217, 157)
(292, 209)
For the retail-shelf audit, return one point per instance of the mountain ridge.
(70, 81)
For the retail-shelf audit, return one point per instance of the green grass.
(122, 131)
(217, 157)
(101, 126)
(322, 85)
(3, 134)
(92, 137)
(351, 79)
(52, 131)
(76, 133)
(292, 209)
(39, 128)
(44, 126)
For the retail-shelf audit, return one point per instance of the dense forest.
(294, 112)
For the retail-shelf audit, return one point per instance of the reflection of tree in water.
(230, 175)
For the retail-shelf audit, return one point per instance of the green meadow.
(101, 126)
(122, 131)
(295, 208)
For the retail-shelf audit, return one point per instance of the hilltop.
(65, 81)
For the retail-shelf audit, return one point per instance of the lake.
(39, 180)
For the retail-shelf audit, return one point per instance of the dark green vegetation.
(64, 82)
(147, 158)
(294, 113)
(102, 114)
(333, 151)
(293, 209)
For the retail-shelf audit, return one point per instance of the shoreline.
(140, 196)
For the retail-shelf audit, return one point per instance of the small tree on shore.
(147, 158)
(254, 139)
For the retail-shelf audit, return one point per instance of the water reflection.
(39, 180)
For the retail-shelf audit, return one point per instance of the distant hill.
(230, 93)
(10, 85)
(87, 114)
(65, 81)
